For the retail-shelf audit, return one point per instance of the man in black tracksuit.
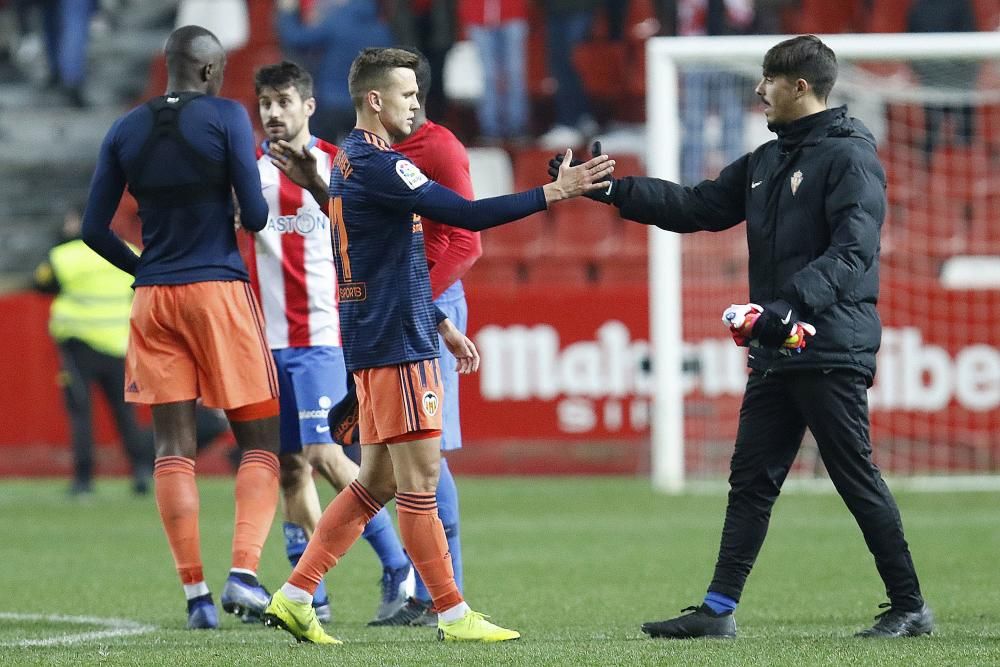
(814, 201)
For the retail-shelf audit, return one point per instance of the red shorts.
(399, 403)
(198, 340)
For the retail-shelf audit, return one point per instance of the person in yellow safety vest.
(89, 322)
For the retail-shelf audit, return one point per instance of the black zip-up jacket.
(814, 202)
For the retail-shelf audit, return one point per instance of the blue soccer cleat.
(202, 614)
(246, 599)
(321, 603)
(397, 587)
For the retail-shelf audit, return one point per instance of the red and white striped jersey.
(291, 259)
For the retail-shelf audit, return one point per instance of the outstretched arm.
(712, 205)
(446, 206)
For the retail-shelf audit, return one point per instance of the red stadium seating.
(521, 240)
(631, 241)
(603, 69)
(560, 271)
(887, 16)
(581, 227)
(987, 14)
(494, 271)
(960, 173)
(984, 230)
(531, 167)
(823, 16)
(241, 65)
(262, 32)
(623, 270)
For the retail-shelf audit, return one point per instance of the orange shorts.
(198, 340)
(399, 403)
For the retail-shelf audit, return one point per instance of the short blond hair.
(370, 70)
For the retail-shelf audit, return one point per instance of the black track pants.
(776, 410)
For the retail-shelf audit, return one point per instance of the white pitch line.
(116, 627)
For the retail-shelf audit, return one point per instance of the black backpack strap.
(213, 180)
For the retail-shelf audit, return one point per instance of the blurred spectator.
(769, 15)
(499, 29)
(431, 27)
(334, 31)
(616, 14)
(10, 30)
(66, 28)
(705, 88)
(89, 322)
(951, 76)
(567, 25)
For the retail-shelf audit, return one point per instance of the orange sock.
(177, 501)
(425, 542)
(256, 502)
(341, 525)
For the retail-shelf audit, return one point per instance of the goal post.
(688, 419)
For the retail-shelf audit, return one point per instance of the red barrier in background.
(565, 387)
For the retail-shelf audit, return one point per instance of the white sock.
(296, 594)
(192, 591)
(240, 570)
(455, 613)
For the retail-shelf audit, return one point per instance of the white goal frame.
(663, 54)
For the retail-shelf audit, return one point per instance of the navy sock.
(447, 500)
(719, 603)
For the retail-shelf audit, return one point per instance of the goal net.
(933, 104)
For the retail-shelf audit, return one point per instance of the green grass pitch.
(574, 564)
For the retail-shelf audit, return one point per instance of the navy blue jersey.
(386, 310)
(185, 240)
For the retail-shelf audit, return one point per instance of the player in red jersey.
(388, 321)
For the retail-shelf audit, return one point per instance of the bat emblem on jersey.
(430, 403)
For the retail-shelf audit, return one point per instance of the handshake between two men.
(771, 326)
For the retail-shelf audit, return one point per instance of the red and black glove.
(753, 325)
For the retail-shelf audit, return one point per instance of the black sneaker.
(702, 622)
(405, 615)
(899, 623)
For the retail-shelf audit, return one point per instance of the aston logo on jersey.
(305, 221)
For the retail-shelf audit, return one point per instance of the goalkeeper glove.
(604, 195)
(752, 325)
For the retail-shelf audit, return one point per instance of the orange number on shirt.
(337, 217)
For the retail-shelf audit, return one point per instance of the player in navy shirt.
(195, 328)
(389, 328)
